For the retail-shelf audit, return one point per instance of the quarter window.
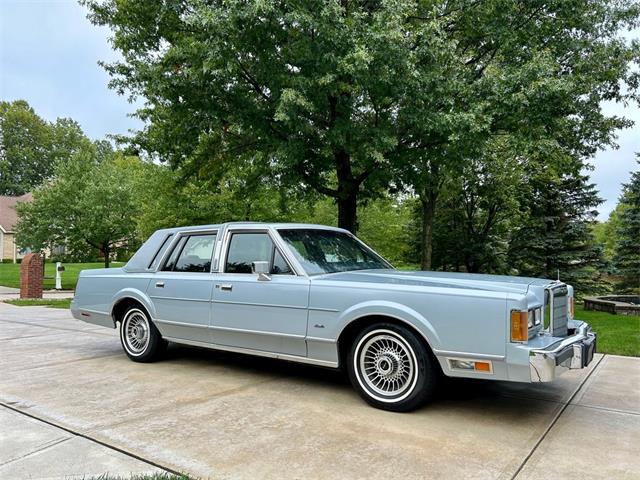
(280, 265)
(171, 261)
(160, 252)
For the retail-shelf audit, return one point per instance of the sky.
(49, 56)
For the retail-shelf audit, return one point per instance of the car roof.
(277, 225)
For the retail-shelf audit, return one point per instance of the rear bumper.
(94, 317)
(573, 352)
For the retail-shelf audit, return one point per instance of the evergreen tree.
(557, 240)
(627, 255)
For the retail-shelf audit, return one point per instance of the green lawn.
(10, 274)
(617, 334)
(41, 302)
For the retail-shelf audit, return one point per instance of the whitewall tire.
(391, 368)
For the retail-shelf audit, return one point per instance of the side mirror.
(263, 269)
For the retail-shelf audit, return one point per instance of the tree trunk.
(347, 212)
(107, 254)
(348, 188)
(428, 204)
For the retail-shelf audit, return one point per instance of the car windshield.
(329, 251)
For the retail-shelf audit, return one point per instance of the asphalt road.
(220, 415)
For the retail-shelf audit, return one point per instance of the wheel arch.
(351, 330)
(128, 298)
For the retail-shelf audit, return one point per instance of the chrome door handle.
(227, 287)
(160, 284)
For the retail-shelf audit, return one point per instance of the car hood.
(475, 281)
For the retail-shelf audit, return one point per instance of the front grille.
(556, 309)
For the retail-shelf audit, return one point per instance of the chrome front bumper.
(573, 352)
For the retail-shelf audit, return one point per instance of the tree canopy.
(90, 205)
(353, 99)
(30, 147)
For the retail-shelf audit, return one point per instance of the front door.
(181, 289)
(266, 315)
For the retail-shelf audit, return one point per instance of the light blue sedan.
(318, 295)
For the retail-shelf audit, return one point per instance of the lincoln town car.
(318, 295)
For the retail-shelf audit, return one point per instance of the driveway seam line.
(605, 409)
(555, 420)
(42, 448)
(95, 440)
(64, 362)
(97, 332)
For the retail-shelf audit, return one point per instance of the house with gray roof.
(8, 220)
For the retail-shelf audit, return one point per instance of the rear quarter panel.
(98, 291)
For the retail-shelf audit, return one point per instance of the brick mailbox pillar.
(31, 276)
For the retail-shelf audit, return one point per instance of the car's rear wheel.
(391, 368)
(140, 338)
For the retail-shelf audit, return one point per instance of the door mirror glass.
(262, 269)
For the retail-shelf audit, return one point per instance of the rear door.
(266, 315)
(181, 289)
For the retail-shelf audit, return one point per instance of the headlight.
(535, 317)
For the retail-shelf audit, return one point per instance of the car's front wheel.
(391, 368)
(140, 338)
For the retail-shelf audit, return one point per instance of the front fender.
(393, 310)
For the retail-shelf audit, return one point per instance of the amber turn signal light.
(483, 366)
(519, 326)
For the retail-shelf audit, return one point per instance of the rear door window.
(192, 253)
(196, 254)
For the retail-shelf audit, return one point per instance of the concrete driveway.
(220, 415)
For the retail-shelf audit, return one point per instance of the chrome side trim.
(320, 309)
(321, 340)
(179, 324)
(255, 332)
(95, 312)
(182, 299)
(259, 353)
(481, 356)
(252, 304)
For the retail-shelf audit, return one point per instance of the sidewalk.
(36, 450)
(8, 293)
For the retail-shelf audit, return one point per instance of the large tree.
(311, 88)
(30, 146)
(536, 71)
(627, 249)
(91, 205)
(348, 97)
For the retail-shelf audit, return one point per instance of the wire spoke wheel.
(136, 332)
(385, 365)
